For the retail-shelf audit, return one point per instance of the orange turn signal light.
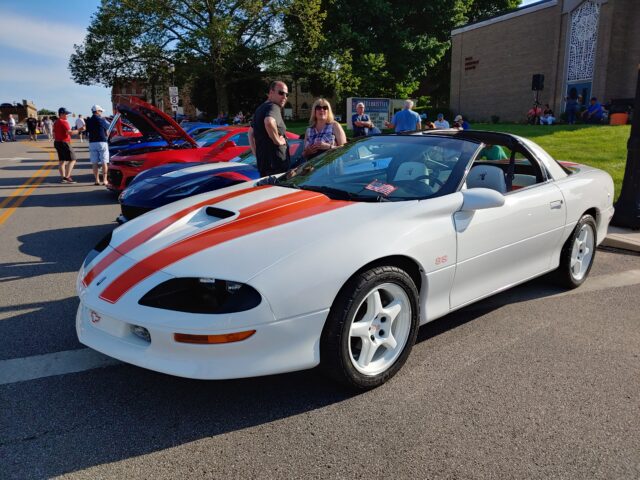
(213, 339)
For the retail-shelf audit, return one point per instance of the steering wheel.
(431, 178)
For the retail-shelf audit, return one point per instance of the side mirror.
(229, 144)
(481, 198)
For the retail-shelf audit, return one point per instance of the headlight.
(100, 246)
(185, 189)
(202, 295)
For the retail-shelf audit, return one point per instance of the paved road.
(533, 383)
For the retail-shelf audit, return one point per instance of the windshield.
(209, 137)
(387, 168)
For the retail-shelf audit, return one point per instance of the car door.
(503, 246)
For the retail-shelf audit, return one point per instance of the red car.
(215, 145)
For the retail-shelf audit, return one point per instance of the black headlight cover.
(193, 295)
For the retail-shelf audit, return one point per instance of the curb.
(622, 238)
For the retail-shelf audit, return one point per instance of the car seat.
(487, 176)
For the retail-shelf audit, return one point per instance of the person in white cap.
(460, 123)
(98, 147)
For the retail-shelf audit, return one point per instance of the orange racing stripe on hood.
(262, 216)
(148, 233)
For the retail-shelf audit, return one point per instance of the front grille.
(130, 212)
(115, 177)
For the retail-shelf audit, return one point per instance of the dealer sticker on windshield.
(381, 187)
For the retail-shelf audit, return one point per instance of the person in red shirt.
(62, 144)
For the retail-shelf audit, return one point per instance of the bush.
(495, 119)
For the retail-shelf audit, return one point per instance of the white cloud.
(45, 38)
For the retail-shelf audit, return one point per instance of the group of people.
(96, 128)
(594, 113)
(267, 132)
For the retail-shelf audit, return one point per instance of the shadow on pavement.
(117, 413)
(61, 250)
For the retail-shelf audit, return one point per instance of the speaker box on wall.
(537, 82)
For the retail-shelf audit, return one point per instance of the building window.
(583, 41)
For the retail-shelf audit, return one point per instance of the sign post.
(627, 212)
(174, 100)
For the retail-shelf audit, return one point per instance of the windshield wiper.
(336, 193)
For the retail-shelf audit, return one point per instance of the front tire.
(578, 253)
(371, 328)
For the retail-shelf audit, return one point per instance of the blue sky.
(35, 45)
(36, 40)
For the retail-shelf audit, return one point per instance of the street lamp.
(628, 205)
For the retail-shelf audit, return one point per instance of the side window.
(525, 171)
(241, 140)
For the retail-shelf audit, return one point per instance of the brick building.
(592, 46)
(20, 111)
(126, 88)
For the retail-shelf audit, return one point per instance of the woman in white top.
(324, 132)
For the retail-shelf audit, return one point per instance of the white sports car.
(339, 261)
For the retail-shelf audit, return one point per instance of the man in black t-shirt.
(267, 134)
(32, 124)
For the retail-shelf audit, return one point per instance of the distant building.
(127, 88)
(20, 111)
(592, 46)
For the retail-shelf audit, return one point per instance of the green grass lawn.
(603, 147)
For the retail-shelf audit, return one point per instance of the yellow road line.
(33, 182)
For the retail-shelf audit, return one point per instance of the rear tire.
(371, 328)
(578, 253)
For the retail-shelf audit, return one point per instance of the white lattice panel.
(583, 40)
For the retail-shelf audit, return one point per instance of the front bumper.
(120, 177)
(278, 346)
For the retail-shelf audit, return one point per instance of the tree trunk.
(222, 96)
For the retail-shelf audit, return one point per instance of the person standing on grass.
(98, 147)
(62, 144)
(406, 120)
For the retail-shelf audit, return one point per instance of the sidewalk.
(623, 238)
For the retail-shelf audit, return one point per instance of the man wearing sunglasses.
(267, 132)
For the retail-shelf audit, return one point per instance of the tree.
(389, 47)
(138, 38)
(44, 111)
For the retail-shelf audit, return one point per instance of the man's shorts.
(65, 152)
(99, 152)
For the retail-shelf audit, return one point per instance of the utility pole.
(628, 205)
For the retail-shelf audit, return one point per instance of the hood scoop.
(219, 213)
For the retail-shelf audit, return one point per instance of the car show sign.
(378, 110)
(174, 99)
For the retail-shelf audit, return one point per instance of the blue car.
(174, 181)
(137, 113)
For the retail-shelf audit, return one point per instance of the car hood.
(244, 232)
(150, 120)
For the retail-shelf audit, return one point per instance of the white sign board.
(174, 108)
(378, 109)
(173, 91)
(173, 100)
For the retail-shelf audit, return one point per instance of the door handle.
(555, 204)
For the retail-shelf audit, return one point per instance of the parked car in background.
(159, 131)
(219, 144)
(174, 181)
